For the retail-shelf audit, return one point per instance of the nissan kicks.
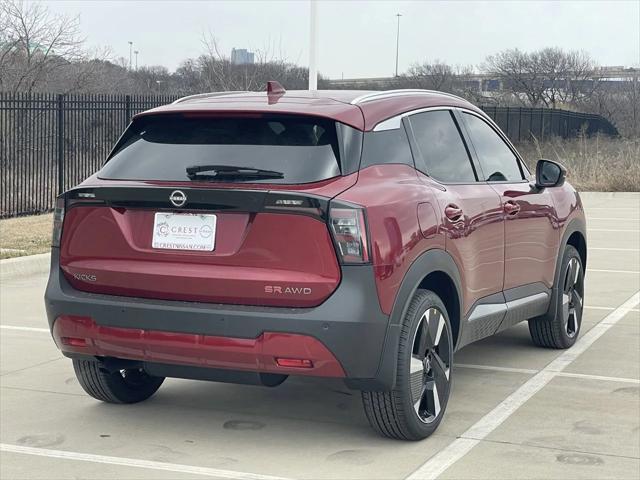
(248, 236)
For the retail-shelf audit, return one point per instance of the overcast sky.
(357, 38)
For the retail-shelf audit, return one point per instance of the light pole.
(397, 41)
(136, 54)
(313, 45)
(130, 52)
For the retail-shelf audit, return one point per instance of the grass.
(598, 163)
(25, 235)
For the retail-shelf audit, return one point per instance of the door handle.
(453, 212)
(511, 207)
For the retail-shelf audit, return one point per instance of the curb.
(12, 268)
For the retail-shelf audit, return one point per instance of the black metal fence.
(49, 142)
(523, 124)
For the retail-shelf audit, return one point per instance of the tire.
(414, 408)
(562, 331)
(121, 386)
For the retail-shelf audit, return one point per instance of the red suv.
(246, 236)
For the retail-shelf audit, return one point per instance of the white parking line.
(593, 307)
(612, 271)
(530, 371)
(135, 463)
(25, 329)
(587, 209)
(617, 219)
(527, 371)
(457, 449)
(628, 230)
(613, 249)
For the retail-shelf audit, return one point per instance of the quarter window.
(389, 146)
(498, 162)
(442, 148)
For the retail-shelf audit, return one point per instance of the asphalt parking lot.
(516, 411)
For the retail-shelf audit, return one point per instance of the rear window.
(303, 149)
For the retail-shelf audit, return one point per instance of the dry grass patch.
(25, 235)
(598, 163)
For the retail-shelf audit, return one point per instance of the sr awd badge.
(278, 290)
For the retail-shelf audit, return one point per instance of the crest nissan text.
(246, 236)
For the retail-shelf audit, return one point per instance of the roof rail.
(205, 95)
(397, 93)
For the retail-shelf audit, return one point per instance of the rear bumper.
(343, 337)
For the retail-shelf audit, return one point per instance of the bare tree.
(519, 73)
(215, 68)
(433, 76)
(217, 72)
(187, 77)
(34, 44)
(154, 79)
(468, 86)
(620, 103)
(569, 76)
(438, 75)
(548, 77)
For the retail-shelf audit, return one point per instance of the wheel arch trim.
(576, 225)
(431, 261)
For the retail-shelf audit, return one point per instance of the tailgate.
(268, 248)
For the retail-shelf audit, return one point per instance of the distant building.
(241, 56)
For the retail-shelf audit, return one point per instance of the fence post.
(507, 126)
(60, 109)
(127, 109)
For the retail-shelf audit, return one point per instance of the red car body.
(275, 296)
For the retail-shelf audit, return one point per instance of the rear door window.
(162, 147)
(442, 149)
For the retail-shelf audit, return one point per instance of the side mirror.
(549, 174)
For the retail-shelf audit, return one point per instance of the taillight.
(349, 231)
(58, 219)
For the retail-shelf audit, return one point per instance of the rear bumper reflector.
(271, 352)
(74, 342)
(294, 362)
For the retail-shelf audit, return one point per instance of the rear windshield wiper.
(227, 172)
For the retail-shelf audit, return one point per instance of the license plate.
(184, 231)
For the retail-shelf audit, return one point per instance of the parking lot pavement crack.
(43, 391)
(584, 376)
(31, 366)
(445, 458)
(560, 449)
